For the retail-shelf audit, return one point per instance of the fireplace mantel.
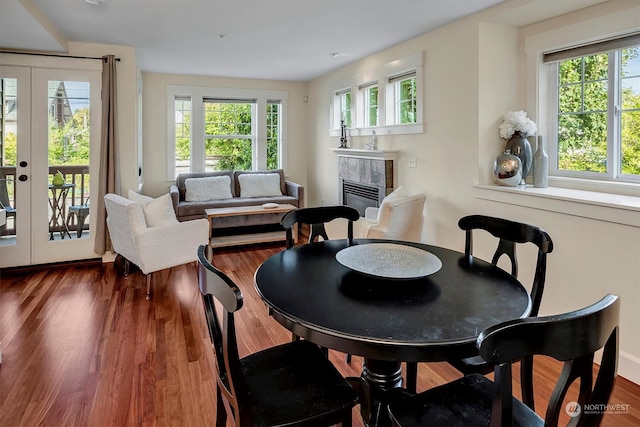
(366, 154)
(365, 177)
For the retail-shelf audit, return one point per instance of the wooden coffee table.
(249, 238)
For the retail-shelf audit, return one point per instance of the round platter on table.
(389, 260)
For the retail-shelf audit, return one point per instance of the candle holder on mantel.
(343, 135)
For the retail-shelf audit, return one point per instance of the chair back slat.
(316, 217)
(221, 299)
(563, 337)
(572, 338)
(509, 233)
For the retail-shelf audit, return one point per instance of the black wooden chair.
(292, 384)
(316, 217)
(509, 234)
(572, 338)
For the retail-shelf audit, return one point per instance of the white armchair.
(152, 248)
(398, 219)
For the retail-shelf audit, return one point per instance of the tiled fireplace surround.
(365, 177)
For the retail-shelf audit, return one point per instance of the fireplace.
(360, 196)
(365, 177)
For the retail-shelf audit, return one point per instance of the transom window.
(596, 125)
(344, 98)
(386, 98)
(371, 111)
(225, 132)
(406, 98)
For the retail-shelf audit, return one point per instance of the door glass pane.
(8, 151)
(68, 155)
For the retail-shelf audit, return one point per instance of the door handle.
(23, 178)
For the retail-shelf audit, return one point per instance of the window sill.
(619, 209)
(409, 129)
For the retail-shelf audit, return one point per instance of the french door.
(50, 122)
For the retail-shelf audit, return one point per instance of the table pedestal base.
(380, 384)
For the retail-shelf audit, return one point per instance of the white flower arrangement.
(517, 121)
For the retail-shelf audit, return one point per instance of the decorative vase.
(507, 169)
(58, 179)
(540, 166)
(519, 146)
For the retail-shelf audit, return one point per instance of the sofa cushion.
(259, 185)
(237, 174)
(207, 188)
(157, 212)
(181, 178)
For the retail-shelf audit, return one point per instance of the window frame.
(198, 95)
(538, 101)
(250, 136)
(380, 75)
(614, 109)
(345, 112)
(394, 91)
(367, 107)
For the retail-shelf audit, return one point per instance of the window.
(596, 117)
(370, 98)
(182, 106)
(386, 98)
(405, 98)
(344, 101)
(274, 115)
(224, 129)
(228, 134)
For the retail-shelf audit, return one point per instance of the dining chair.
(316, 217)
(292, 384)
(572, 338)
(509, 234)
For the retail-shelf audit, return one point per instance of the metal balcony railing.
(78, 195)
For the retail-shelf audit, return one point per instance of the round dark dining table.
(387, 321)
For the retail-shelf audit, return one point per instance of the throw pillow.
(395, 194)
(157, 212)
(259, 185)
(207, 188)
(139, 198)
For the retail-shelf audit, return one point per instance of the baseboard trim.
(91, 262)
(629, 367)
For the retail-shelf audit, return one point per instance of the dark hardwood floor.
(82, 347)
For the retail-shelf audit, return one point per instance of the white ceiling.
(265, 39)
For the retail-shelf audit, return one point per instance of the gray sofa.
(292, 193)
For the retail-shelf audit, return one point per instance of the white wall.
(155, 123)
(475, 71)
